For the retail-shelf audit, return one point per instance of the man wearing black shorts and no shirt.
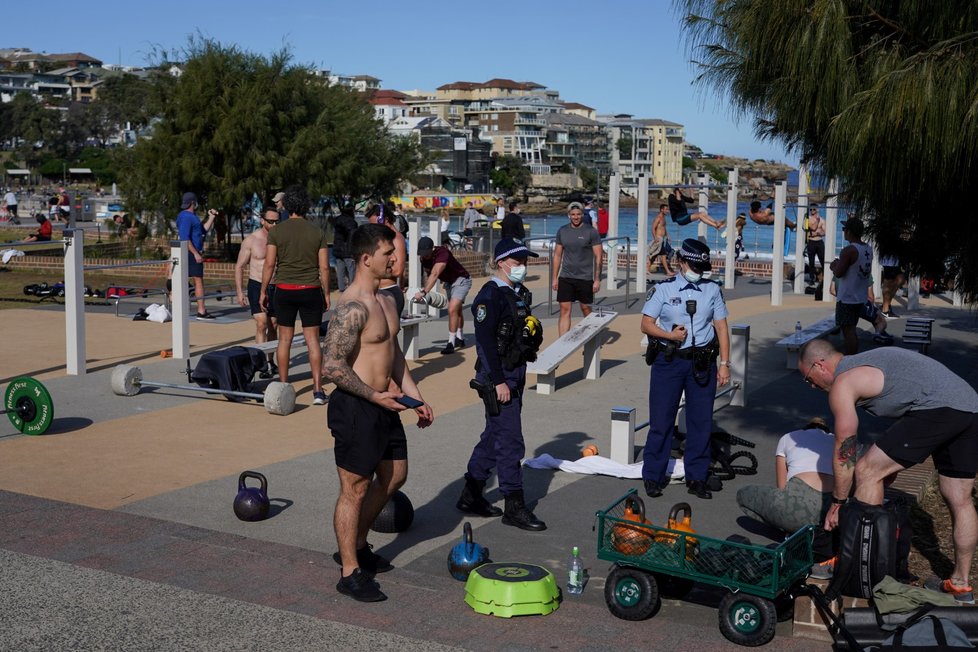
(577, 265)
(936, 415)
(252, 254)
(365, 362)
(297, 256)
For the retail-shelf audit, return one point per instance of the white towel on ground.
(598, 465)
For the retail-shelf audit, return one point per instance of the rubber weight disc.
(28, 405)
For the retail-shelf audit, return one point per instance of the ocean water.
(758, 239)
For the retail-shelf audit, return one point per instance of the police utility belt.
(702, 356)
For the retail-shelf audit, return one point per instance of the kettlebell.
(466, 555)
(680, 518)
(251, 503)
(631, 539)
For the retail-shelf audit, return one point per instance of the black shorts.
(364, 433)
(575, 289)
(194, 269)
(683, 220)
(254, 294)
(847, 314)
(949, 436)
(308, 304)
(891, 273)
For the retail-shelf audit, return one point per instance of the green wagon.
(647, 557)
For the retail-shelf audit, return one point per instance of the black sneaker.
(449, 348)
(368, 560)
(205, 316)
(459, 342)
(360, 586)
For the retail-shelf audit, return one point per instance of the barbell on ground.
(278, 398)
(28, 405)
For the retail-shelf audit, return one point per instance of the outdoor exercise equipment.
(251, 503)
(28, 405)
(511, 589)
(396, 516)
(279, 398)
(466, 556)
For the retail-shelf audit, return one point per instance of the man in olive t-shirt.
(298, 257)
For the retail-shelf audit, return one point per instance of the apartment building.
(574, 142)
(653, 147)
(515, 125)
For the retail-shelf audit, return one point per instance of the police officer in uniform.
(507, 336)
(686, 321)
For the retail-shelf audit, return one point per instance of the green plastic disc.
(28, 406)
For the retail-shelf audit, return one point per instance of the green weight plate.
(28, 405)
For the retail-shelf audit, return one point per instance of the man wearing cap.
(441, 265)
(853, 268)
(190, 228)
(686, 322)
(277, 200)
(507, 336)
(591, 214)
(577, 265)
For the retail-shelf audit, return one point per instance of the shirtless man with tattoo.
(363, 359)
(936, 415)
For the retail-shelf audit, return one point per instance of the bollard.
(622, 449)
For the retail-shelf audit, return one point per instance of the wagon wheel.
(747, 619)
(630, 593)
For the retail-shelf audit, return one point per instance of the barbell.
(278, 398)
(28, 405)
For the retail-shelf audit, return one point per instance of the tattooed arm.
(342, 346)
(842, 401)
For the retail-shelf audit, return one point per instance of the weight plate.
(29, 406)
(126, 379)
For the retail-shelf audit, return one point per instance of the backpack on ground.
(867, 549)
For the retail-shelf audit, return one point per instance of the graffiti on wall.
(426, 202)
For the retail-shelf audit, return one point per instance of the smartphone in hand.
(409, 402)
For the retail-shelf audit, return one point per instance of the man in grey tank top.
(936, 415)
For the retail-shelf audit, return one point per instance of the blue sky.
(618, 56)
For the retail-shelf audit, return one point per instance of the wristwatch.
(839, 501)
(724, 363)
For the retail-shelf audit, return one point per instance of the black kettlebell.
(251, 503)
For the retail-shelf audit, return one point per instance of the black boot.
(518, 514)
(473, 502)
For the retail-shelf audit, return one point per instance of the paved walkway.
(118, 531)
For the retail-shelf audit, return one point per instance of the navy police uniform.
(500, 311)
(690, 367)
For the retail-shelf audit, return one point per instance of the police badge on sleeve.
(480, 313)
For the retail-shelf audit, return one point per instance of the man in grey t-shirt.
(937, 416)
(577, 265)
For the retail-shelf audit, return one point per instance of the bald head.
(816, 351)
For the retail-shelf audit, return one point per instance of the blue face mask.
(692, 276)
(517, 274)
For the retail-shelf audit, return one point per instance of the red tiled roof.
(576, 105)
(492, 83)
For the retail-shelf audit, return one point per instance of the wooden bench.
(585, 334)
(793, 343)
(918, 331)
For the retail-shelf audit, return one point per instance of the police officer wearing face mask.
(507, 336)
(686, 321)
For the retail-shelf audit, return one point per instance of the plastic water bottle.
(798, 331)
(575, 573)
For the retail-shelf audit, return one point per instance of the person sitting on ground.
(766, 215)
(804, 480)
(43, 233)
(681, 216)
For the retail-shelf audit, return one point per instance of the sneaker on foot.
(205, 315)
(360, 586)
(368, 560)
(962, 594)
(823, 570)
(459, 342)
(449, 348)
(319, 398)
(890, 314)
